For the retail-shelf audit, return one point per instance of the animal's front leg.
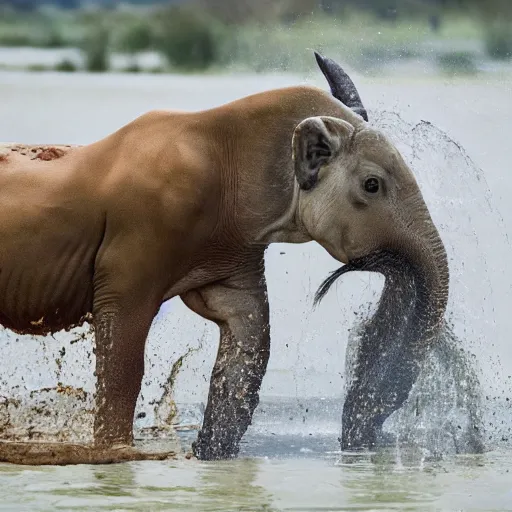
(124, 307)
(122, 322)
(120, 341)
(239, 307)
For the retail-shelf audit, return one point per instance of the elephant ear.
(342, 87)
(316, 142)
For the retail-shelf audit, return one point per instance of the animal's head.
(357, 194)
(359, 199)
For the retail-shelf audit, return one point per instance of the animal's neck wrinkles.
(253, 151)
(288, 227)
(224, 148)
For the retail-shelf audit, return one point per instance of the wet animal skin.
(185, 204)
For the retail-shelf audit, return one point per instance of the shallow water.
(385, 481)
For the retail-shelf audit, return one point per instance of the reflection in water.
(387, 478)
(371, 481)
(229, 485)
(114, 480)
(387, 488)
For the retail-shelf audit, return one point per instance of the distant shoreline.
(46, 60)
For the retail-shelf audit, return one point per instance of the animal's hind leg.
(239, 307)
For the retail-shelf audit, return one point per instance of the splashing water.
(47, 385)
(444, 413)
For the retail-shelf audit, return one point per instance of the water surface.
(386, 481)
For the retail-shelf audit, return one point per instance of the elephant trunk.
(396, 340)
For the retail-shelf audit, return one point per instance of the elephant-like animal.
(184, 204)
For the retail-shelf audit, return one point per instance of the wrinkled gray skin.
(409, 252)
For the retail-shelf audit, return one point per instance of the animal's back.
(55, 203)
(168, 166)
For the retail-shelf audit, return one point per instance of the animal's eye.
(371, 185)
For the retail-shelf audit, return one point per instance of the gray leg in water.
(239, 307)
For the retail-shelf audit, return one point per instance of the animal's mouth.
(383, 261)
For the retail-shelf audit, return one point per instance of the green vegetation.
(136, 37)
(96, 48)
(271, 35)
(66, 66)
(498, 39)
(37, 68)
(457, 63)
(188, 38)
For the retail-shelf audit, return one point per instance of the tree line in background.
(237, 11)
(195, 34)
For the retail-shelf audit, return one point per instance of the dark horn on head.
(341, 85)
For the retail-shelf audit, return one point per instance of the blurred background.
(159, 36)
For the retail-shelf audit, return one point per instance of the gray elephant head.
(381, 224)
